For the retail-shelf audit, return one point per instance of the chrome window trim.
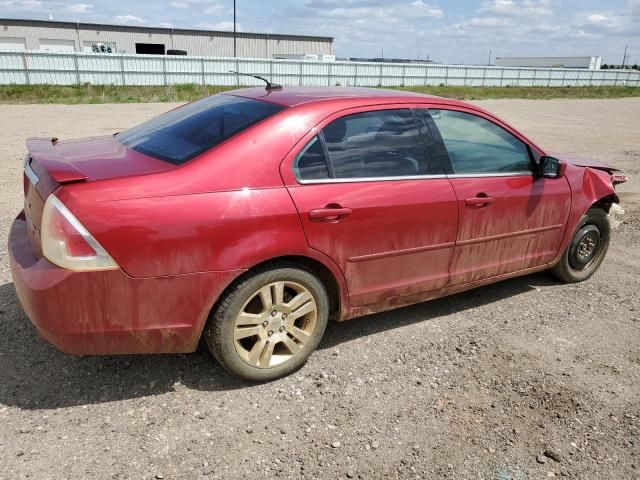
(368, 179)
(411, 177)
(31, 175)
(484, 175)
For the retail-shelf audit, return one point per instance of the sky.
(461, 31)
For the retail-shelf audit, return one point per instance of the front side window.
(188, 131)
(476, 145)
(382, 143)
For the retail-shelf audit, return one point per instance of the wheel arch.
(331, 279)
(590, 188)
(314, 266)
(605, 202)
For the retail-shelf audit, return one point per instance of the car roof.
(292, 96)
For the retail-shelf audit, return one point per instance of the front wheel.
(269, 323)
(587, 248)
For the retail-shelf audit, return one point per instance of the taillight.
(66, 243)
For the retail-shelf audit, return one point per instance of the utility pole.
(624, 57)
(489, 63)
(235, 51)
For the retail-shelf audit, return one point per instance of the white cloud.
(488, 22)
(602, 20)
(214, 9)
(220, 26)
(424, 9)
(343, 3)
(604, 23)
(518, 8)
(597, 19)
(210, 5)
(79, 8)
(22, 4)
(129, 19)
(356, 13)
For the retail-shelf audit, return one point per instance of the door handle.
(329, 214)
(479, 201)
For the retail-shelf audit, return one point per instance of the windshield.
(188, 131)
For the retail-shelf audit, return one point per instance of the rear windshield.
(188, 131)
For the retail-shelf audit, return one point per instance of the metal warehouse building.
(87, 37)
(591, 63)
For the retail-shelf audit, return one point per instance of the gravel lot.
(527, 378)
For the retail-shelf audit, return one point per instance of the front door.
(367, 199)
(509, 219)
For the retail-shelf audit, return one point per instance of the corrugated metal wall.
(194, 42)
(104, 69)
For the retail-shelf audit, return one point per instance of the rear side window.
(476, 145)
(310, 164)
(382, 143)
(188, 131)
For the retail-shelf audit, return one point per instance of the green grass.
(183, 93)
(535, 93)
(104, 93)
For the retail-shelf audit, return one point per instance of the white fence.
(36, 68)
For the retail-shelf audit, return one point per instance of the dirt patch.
(527, 378)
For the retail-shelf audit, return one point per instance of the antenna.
(270, 86)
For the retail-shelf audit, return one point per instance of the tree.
(604, 66)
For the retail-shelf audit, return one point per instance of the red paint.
(181, 234)
(110, 312)
(383, 245)
(521, 228)
(90, 159)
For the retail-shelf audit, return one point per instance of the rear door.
(368, 199)
(509, 219)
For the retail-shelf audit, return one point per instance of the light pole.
(235, 52)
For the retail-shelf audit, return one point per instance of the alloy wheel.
(275, 324)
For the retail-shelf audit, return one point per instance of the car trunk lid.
(88, 159)
(51, 163)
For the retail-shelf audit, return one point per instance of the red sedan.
(250, 218)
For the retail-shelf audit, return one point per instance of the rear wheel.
(269, 323)
(587, 248)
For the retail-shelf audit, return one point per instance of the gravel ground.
(527, 378)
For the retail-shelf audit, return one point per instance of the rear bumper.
(108, 312)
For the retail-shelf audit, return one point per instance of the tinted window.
(382, 143)
(185, 132)
(476, 145)
(310, 163)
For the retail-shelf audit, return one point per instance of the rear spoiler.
(43, 158)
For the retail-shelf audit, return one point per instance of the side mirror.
(550, 167)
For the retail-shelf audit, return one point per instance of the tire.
(262, 341)
(576, 265)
